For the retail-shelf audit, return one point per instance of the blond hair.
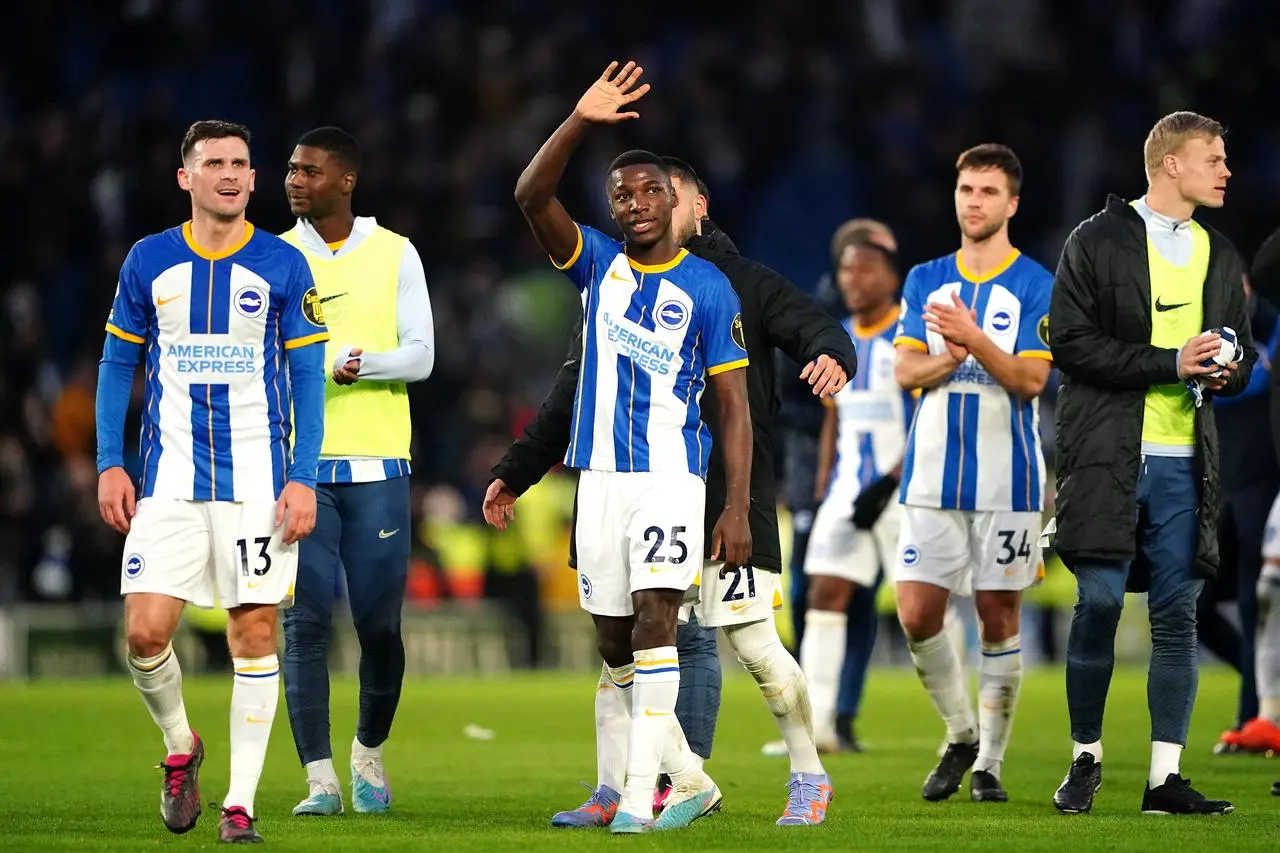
(1174, 131)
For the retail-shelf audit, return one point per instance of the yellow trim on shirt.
(876, 329)
(336, 244)
(969, 275)
(727, 366)
(663, 267)
(577, 251)
(905, 341)
(216, 256)
(123, 335)
(320, 337)
(1036, 353)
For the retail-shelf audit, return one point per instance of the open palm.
(607, 95)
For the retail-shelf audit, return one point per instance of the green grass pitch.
(76, 773)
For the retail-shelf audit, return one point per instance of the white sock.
(782, 683)
(821, 658)
(254, 696)
(953, 627)
(321, 777)
(359, 750)
(939, 668)
(653, 709)
(159, 680)
(1094, 749)
(1165, 758)
(999, 682)
(613, 725)
(1267, 661)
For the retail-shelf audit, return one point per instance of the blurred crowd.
(798, 116)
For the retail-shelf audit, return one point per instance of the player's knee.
(998, 614)
(919, 620)
(251, 632)
(829, 593)
(145, 640)
(756, 644)
(654, 628)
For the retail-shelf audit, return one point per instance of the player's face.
(316, 182)
(218, 177)
(690, 207)
(1202, 171)
(865, 278)
(642, 203)
(983, 202)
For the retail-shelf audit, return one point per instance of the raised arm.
(552, 226)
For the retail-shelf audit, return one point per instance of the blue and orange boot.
(808, 795)
(597, 811)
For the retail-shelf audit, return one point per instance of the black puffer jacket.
(1100, 333)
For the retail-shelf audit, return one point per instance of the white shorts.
(738, 597)
(636, 531)
(209, 553)
(953, 549)
(1271, 538)
(838, 549)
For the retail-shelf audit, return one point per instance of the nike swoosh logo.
(1162, 307)
(325, 299)
(613, 274)
(384, 534)
(253, 719)
(160, 302)
(648, 712)
(736, 607)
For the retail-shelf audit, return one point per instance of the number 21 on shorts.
(733, 593)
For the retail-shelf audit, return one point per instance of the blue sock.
(698, 704)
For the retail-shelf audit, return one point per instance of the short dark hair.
(678, 168)
(868, 242)
(337, 142)
(211, 129)
(639, 157)
(992, 155)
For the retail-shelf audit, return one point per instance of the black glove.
(872, 500)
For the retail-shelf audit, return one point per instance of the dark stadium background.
(798, 115)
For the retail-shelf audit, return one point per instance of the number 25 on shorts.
(676, 551)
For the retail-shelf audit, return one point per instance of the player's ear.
(1013, 206)
(252, 175)
(349, 182)
(184, 179)
(700, 207)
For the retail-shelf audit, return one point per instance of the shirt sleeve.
(911, 331)
(592, 249)
(721, 327)
(301, 318)
(414, 355)
(131, 309)
(1033, 325)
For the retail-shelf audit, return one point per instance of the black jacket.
(775, 315)
(1100, 333)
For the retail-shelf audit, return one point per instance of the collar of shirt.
(361, 228)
